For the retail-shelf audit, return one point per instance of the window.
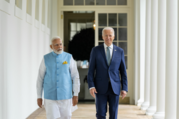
(100, 2)
(94, 2)
(89, 2)
(111, 2)
(68, 2)
(122, 2)
(77, 26)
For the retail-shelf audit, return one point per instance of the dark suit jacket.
(100, 72)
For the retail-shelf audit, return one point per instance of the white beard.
(58, 52)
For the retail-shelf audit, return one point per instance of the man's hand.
(39, 102)
(75, 100)
(92, 91)
(123, 94)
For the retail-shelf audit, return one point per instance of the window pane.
(72, 34)
(102, 21)
(73, 26)
(122, 2)
(81, 26)
(112, 20)
(122, 34)
(100, 2)
(126, 61)
(89, 25)
(123, 45)
(115, 33)
(101, 43)
(100, 33)
(89, 2)
(79, 2)
(115, 43)
(89, 11)
(68, 2)
(79, 11)
(111, 2)
(122, 19)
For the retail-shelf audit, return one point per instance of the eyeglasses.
(57, 45)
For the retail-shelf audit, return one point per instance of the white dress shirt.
(74, 76)
(110, 49)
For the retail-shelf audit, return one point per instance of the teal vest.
(57, 83)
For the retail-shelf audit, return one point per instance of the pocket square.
(65, 62)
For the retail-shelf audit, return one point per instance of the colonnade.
(161, 62)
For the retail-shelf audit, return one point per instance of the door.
(121, 22)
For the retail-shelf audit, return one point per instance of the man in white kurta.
(59, 78)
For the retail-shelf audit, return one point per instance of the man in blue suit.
(106, 63)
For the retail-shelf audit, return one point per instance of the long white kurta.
(59, 107)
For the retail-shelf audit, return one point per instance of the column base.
(151, 110)
(145, 106)
(139, 102)
(159, 115)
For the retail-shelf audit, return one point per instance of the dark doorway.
(76, 22)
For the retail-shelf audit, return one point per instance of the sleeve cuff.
(75, 94)
(39, 96)
(91, 88)
(124, 90)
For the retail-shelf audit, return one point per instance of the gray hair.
(56, 37)
(108, 28)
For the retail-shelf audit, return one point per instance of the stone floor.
(87, 111)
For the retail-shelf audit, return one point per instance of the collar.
(111, 46)
(56, 55)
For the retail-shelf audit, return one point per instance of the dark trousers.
(101, 104)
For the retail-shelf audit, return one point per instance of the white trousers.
(58, 109)
(65, 117)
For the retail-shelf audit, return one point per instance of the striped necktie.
(108, 55)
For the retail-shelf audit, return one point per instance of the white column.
(1, 69)
(178, 71)
(153, 70)
(137, 50)
(146, 102)
(161, 67)
(171, 60)
(142, 51)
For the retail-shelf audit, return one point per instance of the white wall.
(22, 46)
